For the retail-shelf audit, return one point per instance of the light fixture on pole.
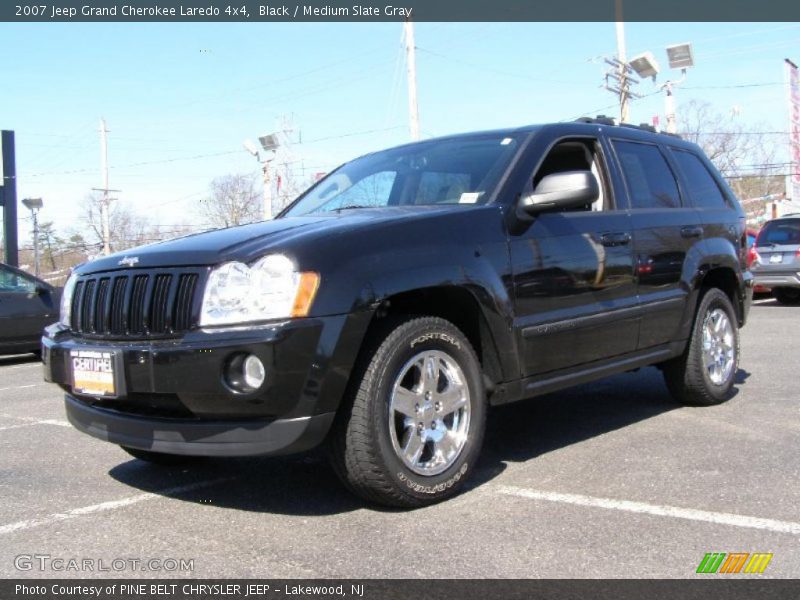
(34, 205)
(270, 144)
(680, 56)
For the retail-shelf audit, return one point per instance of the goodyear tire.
(704, 374)
(413, 425)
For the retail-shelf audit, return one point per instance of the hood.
(248, 242)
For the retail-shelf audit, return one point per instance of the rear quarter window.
(650, 181)
(703, 189)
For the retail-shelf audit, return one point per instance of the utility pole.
(105, 202)
(624, 85)
(104, 206)
(411, 65)
(620, 70)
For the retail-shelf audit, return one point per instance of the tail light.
(752, 256)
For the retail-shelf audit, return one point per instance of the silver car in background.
(777, 260)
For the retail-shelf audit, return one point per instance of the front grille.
(136, 303)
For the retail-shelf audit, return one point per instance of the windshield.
(462, 170)
(783, 232)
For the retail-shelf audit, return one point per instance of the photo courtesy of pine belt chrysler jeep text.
(392, 303)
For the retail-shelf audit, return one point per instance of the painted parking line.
(35, 421)
(654, 509)
(32, 423)
(22, 387)
(25, 366)
(107, 506)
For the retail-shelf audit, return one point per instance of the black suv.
(410, 289)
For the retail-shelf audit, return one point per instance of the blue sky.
(179, 99)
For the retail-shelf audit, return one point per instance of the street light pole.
(267, 189)
(269, 144)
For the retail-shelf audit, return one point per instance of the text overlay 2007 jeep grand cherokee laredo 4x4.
(394, 301)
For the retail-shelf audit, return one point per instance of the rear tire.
(788, 296)
(159, 458)
(413, 425)
(704, 374)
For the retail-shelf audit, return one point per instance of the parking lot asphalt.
(610, 479)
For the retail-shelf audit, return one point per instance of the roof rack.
(642, 126)
(598, 120)
(604, 120)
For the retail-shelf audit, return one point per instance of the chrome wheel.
(718, 346)
(429, 412)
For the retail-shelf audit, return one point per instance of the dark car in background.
(27, 306)
(776, 261)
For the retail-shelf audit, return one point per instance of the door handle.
(691, 232)
(618, 238)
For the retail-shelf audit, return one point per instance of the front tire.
(413, 427)
(704, 374)
(788, 296)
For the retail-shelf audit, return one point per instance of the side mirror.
(41, 289)
(562, 191)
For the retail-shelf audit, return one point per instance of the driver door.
(573, 271)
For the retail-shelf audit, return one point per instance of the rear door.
(574, 292)
(665, 229)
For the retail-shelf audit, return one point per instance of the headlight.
(271, 288)
(66, 300)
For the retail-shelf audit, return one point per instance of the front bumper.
(174, 396)
(199, 437)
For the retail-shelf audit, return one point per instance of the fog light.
(254, 373)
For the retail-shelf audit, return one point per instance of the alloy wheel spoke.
(413, 447)
(405, 401)
(430, 372)
(452, 398)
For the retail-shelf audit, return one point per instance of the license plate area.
(97, 372)
(776, 259)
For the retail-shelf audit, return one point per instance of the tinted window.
(12, 282)
(462, 170)
(651, 183)
(373, 190)
(703, 189)
(784, 231)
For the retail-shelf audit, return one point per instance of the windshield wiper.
(351, 206)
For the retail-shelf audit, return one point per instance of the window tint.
(373, 190)
(651, 183)
(12, 282)
(703, 189)
(461, 170)
(442, 188)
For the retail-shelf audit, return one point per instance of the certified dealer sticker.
(93, 372)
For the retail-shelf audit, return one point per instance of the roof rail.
(599, 120)
(642, 126)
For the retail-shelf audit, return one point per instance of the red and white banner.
(793, 181)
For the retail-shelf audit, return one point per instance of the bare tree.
(127, 229)
(743, 153)
(233, 200)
